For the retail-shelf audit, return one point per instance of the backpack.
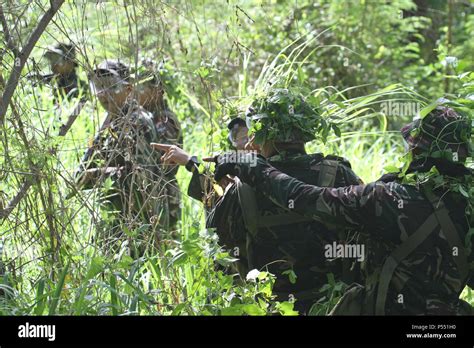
(364, 300)
(327, 168)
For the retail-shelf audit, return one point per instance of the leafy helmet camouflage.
(442, 133)
(283, 115)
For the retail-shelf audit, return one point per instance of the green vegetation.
(358, 60)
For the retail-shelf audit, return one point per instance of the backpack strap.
(400, 253)
(248, 204)
(451, 234)
(252, 220)
(327, 173)
(439, 217)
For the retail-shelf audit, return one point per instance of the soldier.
(414, 226)
(151, 97)
(63, 63)
(200, 186)
(121, 151)
(266, 236)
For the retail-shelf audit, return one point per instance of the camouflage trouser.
(174, 203)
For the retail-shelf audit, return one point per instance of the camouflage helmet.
(113, 67)
(60, 51)
(442, 133)
(110, 74)
(283, 115)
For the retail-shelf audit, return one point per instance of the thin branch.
(20, 60)
(6, 33)
(29, 182)
(77, 110)
(15, 200)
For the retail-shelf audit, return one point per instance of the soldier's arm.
(89, 177)
(345, 176)
(200, 185)
(348, 207)
(42, 78)
(89, 171)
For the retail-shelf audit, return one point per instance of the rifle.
(42, 78)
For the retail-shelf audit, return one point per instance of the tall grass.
(52, 263)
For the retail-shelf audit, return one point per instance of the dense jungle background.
(356, 55)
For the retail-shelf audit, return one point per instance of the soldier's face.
(113, 100)
(59, 65)
(149, 95)
(240, 137)
(111, 90)
(63, 68)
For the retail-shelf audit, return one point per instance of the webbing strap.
(400, 253)
(439, 217)
(248, 204)
(327, 175)
(451, 234)
(253, 221)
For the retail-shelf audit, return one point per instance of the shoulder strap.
(400, 253)
(327, 174)
(248, 204)
(451, 234)
(253, 221)
(439, 217)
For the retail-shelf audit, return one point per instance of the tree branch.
(15, 200)
(6, 33)
(20, 60)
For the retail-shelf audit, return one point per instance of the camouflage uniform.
(67, 83)
(283, 242)
(415, 234)
(137, 192)
(168, 131)
(200, 186)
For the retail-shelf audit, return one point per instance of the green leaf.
(40, 298)
(57, 292)
(291, 275)
(427, 109)
(113, 294)
(462, 191)
(234, 310)
(178, 309)
(286, 308)
(253, 309)
(391, 169)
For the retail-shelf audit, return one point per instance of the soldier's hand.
(225, 181)
(172, 154)
(245, 167)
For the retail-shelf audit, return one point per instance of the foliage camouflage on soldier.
(136, 192)
(286, 249)
(428, 280)
(154, 78)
